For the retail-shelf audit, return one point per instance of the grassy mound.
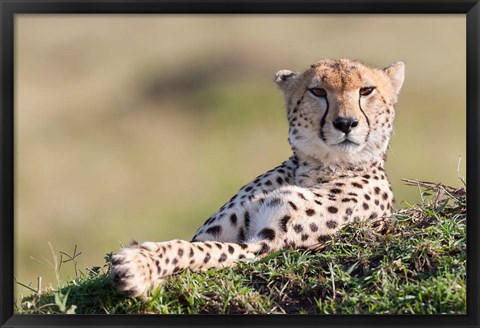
(411, 263)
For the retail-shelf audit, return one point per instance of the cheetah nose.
(345, 124)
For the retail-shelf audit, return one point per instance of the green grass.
(411, 263)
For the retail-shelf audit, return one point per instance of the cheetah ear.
(396, 73)
(284, 77)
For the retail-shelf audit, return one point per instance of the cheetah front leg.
(138, 268)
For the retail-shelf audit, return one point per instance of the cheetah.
(340, 115)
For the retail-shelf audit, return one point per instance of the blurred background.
(140, 127)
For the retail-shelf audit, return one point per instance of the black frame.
(8, 9)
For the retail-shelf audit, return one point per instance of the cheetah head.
(341, 111)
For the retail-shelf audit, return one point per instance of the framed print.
(249, 163)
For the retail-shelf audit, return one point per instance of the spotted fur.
(340, 115)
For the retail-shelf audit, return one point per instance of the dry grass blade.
(459, 193)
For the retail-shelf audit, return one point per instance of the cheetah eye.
(366, 91)
(318, 92)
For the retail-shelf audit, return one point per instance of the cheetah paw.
(131, 272)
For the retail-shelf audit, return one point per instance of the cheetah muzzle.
(340, 115)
